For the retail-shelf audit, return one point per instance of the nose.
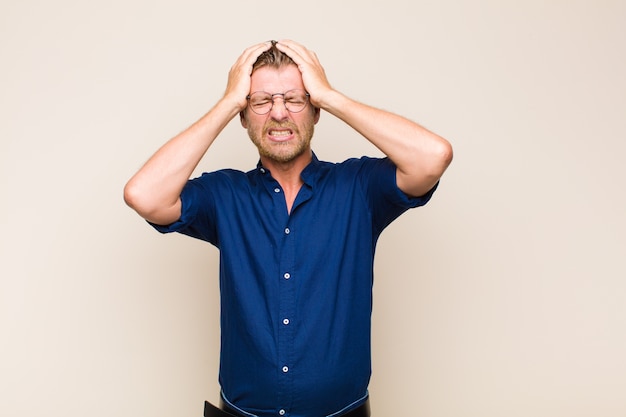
(279, 110)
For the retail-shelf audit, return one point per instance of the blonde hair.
(273, 58)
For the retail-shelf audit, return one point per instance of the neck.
(288, 173)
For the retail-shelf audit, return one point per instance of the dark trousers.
(225, 411)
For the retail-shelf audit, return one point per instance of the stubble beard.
(282, 152)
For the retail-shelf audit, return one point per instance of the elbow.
(440, 158)
(132, 196)
(441, 155)
(426, 169)
(147, 204)
(445, 154)
(138, 198)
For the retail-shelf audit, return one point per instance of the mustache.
(285, 125)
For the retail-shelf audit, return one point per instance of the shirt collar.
(309, 174)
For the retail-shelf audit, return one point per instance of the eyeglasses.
(262, 103)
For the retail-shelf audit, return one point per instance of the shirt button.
(281, 412)
(287, 231)
(285, 369)
(262, 170)
(285, 321)
(277, 190)
(287, 275)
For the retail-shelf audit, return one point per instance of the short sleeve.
(386, 200)
(197, 210)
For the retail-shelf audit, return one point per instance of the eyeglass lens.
(262, 102)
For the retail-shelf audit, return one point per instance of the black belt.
(212, 411)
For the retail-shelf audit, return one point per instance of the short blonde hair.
(273, 57)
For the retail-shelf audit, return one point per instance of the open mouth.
(280, 135)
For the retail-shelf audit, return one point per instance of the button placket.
(287, 289)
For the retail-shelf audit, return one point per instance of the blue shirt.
(296, 289)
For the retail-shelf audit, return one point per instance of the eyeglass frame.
(307, 95)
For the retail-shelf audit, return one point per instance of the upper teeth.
(279, 133)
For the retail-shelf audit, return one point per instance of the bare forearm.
(154, 191)
(420, 156)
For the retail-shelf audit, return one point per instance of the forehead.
(276, 80)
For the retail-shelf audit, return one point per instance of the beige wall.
(503, 297)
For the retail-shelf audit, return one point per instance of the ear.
(316, 115)
(242, 119)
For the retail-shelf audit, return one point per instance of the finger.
(252, 53)
(292, 45)
(295, 51)
(239, 75)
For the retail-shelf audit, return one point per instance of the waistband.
(227, 411)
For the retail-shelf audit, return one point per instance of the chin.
(287, 155)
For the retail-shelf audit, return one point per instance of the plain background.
(505, 296)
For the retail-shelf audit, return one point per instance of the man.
(296, 235)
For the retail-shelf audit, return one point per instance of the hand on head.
(313, 74)
(238, 86)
